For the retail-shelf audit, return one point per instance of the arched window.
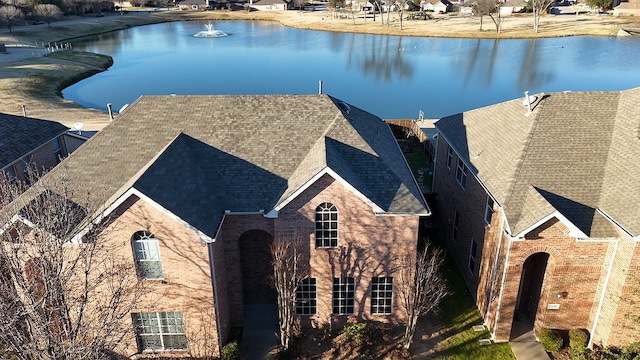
(326, 226)
(147, 254)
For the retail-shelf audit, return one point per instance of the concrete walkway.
(260, 332)
(524, 343)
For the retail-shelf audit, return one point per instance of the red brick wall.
(186, 286)
(574, 267)
(367, 245)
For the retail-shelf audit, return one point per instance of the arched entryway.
(532, 278)
(255, 259)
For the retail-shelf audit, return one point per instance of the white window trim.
(343, 295)
(311, 282)
(161, 334)
(449, 156)
(324, 209)
(463, 171)
(488, 210)
(150, 239)
(385, 280)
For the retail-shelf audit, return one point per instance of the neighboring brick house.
(540, 210)
(35, 144)
(199, 186)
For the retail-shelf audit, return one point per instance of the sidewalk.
(260, 333)
(524, 344)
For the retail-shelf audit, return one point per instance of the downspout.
(214, 282)
(495, 264)
(504, 277)
(604, 291)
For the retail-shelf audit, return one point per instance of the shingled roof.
(576, 153)
(199, 156)
(21, 135)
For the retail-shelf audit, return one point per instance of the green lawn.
(458, 311)
(458, 314)
(421, 168)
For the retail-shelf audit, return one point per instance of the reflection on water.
(390, 76)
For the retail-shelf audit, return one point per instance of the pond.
(390, 76)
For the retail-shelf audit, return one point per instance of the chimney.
(110, 111)
(320, 87)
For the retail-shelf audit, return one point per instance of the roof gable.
(199, 156)
(22, 135)
(576, 149)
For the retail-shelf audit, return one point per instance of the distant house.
(196, 5)
(437, 6)
(195, 202)
(627, 8)
(538, 202)
(268, 5)
(512, 6)
(29, 144)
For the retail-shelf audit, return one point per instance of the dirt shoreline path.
(31, 78)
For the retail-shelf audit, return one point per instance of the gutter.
(604, 291)
(214, 283)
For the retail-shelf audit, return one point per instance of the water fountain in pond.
(210, 32)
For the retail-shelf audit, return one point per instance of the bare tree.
(539, 7)
(10, 15)
(422, 287)
(47, 13)
(61, 297)
(290, 267)
(489, 7)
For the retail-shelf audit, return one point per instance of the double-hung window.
(381, 295)
(472, 255)
(326, 226)
(343, 295)
(488, 211)
(306, 297)
(461, 173)
(160, 331)
(147, 255)
(449, 156)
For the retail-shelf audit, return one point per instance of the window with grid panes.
(147, 255)
(461, 173)
(449, 156)
(343, 295)
(381, 295)
(326, 226)
(159, 331)
(488, 211)
(306, 297)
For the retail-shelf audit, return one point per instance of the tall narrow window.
(326, 226)
(57, 149)
(306, 297)
(472, 256)
(488, 211)
(461, 173)
(343, 295)
(147, 254)
(381, 295)
(160, 331)
(456, 220)
(449, 156)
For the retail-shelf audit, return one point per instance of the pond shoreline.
(34, 81)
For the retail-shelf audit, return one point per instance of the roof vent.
(528, 100)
